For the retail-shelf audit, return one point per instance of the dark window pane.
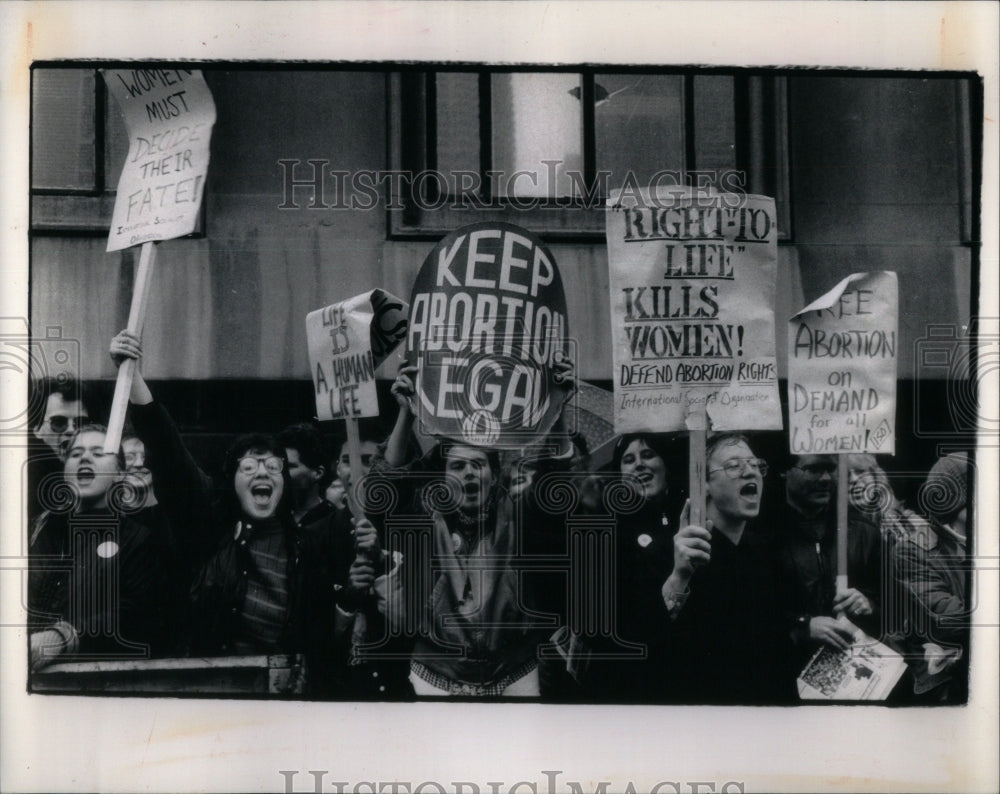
(457, 108)
(62, 129)
(639, 123)
(115, 143)
(714, 123)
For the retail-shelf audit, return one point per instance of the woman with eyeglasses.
(261, 587)
(725, 593)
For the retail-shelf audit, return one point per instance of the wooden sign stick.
(354, 451)
(841, 522)
(136, 316)
(697, 423)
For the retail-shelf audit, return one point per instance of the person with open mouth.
(624, 661)
(476, 627)
(97, 580)
(259, 585)
(725, 593)
(872, 494)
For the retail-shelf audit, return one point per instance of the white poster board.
(169, 115)
(692, 277)
(347, 342)
(842, 369)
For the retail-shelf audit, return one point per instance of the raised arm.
(184, 490)
(404, 390)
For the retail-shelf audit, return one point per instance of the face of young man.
(301, 476)
(59, 423)
(89, 470)
(258, 483)
(734, 499)
(469, 468)
(645, 464)
(368, 450)
(811, 483)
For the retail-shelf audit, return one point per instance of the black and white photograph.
(485, 400)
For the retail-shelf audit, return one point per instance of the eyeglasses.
(734, 468)
(814, 471)
(59, 423)
(251, 464)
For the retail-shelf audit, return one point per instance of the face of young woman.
(88, 469)
(469, 468)
(644, 463)
(258, 483)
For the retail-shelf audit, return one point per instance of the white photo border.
(55, 743)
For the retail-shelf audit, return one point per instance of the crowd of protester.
(477, 572)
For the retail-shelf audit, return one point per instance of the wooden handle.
(136, 315)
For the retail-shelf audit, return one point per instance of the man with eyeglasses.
(60, 411)
(724, 594)
(809, 558)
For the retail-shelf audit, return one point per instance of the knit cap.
(944, 494)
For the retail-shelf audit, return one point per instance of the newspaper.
(868, 670)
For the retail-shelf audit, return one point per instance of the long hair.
(673, 451)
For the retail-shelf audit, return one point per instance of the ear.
(318, 473)
(38, 432)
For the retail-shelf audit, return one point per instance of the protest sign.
(487, 323)
(842, 369)
(169, 115)
(347, 342)
(692, 277)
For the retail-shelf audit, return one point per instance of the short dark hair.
(305, 439)
(725, 439)
(251, 442)
(492, 455)
(68, 387)
(660, 443)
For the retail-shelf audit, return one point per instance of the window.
(78, 146)
(543, 149)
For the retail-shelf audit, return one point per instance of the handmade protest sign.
(347, 342)
(169, 115)
(842, 369)
(692, 277)
(487, 323)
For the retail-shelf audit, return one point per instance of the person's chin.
(651, 490)
(259, 511)
(822, 500)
